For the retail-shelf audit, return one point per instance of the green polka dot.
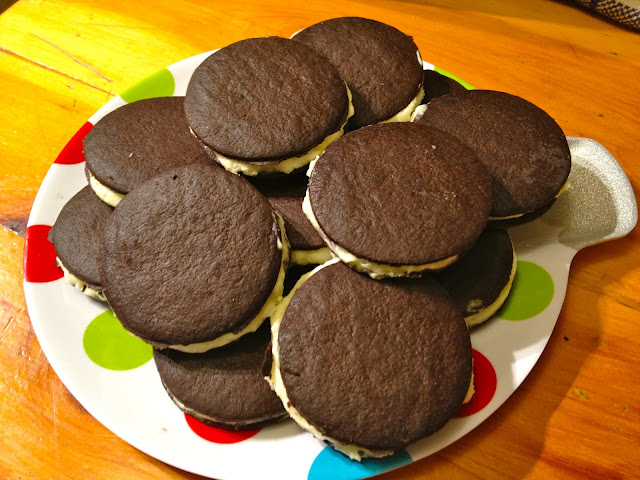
(531, 293)
(466, 85)
(110, 346)
(160, 84)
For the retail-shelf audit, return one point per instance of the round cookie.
(286, 196)
(437, 85)
(225, 386)
(266, 104)
(381, 65)
(369, 366)
(193, 259)
(397, 199)
(77, 236)
(479, 282)
(523, 148)
(137, 141)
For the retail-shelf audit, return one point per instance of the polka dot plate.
(112, 375)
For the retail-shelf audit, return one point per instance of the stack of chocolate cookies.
(301, 180)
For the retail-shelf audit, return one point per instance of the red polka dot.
(217, 434)
(484, 382)
(72, 151)
(40, 256)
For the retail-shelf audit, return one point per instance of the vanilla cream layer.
(418, 112)
(104, 193)
(80, 284)
(290, 164)
(488, 312)
(472, 390)
(311, 257)
(352, 451)
(265, 312)
(236, 424)
(373, 269)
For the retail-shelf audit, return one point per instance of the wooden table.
(577, 415)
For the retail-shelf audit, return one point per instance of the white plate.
(132, 403)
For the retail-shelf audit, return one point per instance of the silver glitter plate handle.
(599, 204)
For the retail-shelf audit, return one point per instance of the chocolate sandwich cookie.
(397, 199)
(267, 105)
(193, 259)
(480, 281)
(381, 65)
(437, 85)
(369, 366)
(286, 195)
(225, 386)
(136, 142)
(76, 236)
(523, 148)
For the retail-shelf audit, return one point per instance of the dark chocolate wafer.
(381, 65)
(523, 148)
(193, 258)
(137, 141)
(398, 198)
(225, 386)
(370, 366)
(77, 237)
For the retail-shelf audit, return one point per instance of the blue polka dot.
(336, 466)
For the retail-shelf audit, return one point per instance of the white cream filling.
(309, 257)
(104, 193)
(564, 188)
(373, 269)
(352, 451)
(80, 284)
(472, 390)
(418, 112)
(290, 164)
(488, 312)
(265, 312)
(508, 217)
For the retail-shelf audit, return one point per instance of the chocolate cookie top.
(437, 85)
(380, 64)
(477, 279)
(300, 232)
(376, 364)
(140, 140)
(400, 194)
(285, 194)
(265, 99)
(77, 235)
(523, 148)
(223, 386)
(190, 255)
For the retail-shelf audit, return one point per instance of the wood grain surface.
(577, 415)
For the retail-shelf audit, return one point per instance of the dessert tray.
(112, 374)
